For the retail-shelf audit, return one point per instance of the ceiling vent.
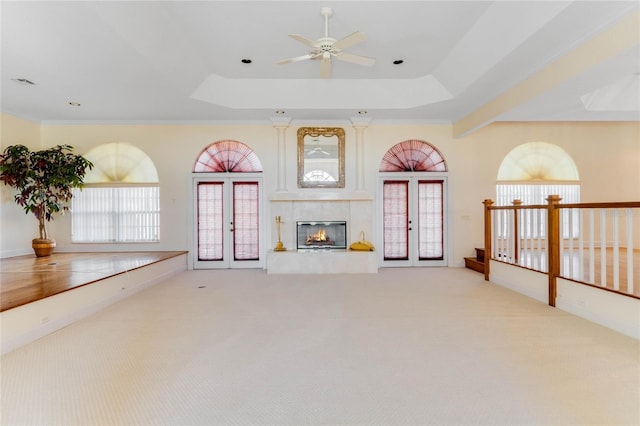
(24, 81)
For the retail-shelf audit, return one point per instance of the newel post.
(487, 237)
(516, 233)
(553, 249)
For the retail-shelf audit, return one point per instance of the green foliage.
(44, 179)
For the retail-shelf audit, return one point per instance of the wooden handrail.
(527, 207)
(612, 205)
(553, 240)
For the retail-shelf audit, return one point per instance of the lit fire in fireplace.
(326, 235)
(318, 237)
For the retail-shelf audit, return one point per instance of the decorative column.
(281, 124)
(360, 124)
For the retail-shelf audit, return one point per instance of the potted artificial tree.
(44, 180)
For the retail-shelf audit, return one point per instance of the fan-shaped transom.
(538, 161)
(227, 156)
(413, 156)
(120, 162)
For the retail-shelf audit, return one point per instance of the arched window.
(120, 201)
(413, 205)
(413, 156)
(227, 156)
(227, 214)
(530, 173)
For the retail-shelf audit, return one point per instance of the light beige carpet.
(416, 346)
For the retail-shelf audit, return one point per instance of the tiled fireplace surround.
(356, 208)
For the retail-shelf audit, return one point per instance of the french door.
(227, 223)
(413, 221)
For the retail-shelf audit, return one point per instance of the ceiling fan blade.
(355, 59)
(303, 40)
(350, 40)
(296, 59)
(325, 66)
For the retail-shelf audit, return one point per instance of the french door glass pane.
(395, 218)
(210, 221)
(430, 228)
(245, 221)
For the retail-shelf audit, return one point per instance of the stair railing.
(566, 240)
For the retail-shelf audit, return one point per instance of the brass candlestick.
(279, 245)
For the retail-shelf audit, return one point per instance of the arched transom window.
(120, 202)
(530, 173)
(538, 161)
(227, 156)
(413, 156)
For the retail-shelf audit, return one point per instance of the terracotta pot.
(43, 247)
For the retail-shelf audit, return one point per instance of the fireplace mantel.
(315, 195)
(354, 207)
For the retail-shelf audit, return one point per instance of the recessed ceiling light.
(74, 104)
(398, 62)
(246, 61)
(24, 81)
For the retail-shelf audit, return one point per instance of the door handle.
(231, 227)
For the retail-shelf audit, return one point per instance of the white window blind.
(210, 221)
(395, 199)
(246, 221)
(115, 214)
(430, 220)
(536, 194)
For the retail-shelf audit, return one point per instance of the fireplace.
(327, 235)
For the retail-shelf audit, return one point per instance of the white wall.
(16, 228)
(607, 156)
(609, 309)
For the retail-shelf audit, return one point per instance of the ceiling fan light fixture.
(327, 48)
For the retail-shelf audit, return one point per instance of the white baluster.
(616, 251)
(629, 251)
(592, 249)
(580, 245)
(603, 247)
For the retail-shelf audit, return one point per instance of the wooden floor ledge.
(25, 279)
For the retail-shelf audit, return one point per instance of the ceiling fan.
(325, 48)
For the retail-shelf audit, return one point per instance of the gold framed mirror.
(321, 157)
